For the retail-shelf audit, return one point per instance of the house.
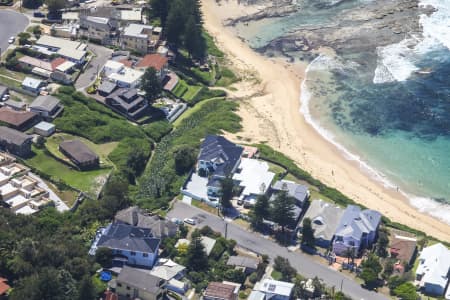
(325, 218)
(172, 273)
(141, 38)
(246, 264)
(357, 230)
(127, 77)
(403, 248)
(32, 85)
(16, 105)
(99, 29)
(19, 120)
(15, 142)
(44, 129)
(207, 242)
(254, 179)
(40, 67)
(220, 291)
(83, 157)
(4, 287)
(106, 88)
(134, 283)
(158, 62)
(74, 51)
(274, 289)
(47, 106)
(170, 81)
(218, 158)
(297, 191)
(112, 66)
(135, 216)
(432, 273)
(67, 30)
(3, 91)
(130, 245)
(127, 102)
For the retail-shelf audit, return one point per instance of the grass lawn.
(9, 82)
(276, 275)
(316, 195)
(13, 74)
(204, 206)
(275, 168)
(190, 111)
(67, 196)
(88, 181)
(102, 150)
(185, 91)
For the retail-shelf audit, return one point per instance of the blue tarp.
(105, 276)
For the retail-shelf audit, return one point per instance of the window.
(119, 251)
(145, 254)
(119, 284)
(133, 253)
(128, 288)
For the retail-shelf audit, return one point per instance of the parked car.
(38, 14)
(190, 221)
(176, 221)
(12, 40)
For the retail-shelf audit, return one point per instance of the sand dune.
(269, 94)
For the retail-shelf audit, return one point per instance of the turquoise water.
(387, 114)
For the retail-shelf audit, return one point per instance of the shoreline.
(270, 111)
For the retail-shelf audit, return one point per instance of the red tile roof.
(403, 248)
(56, 62)
(153, 60)
(126, 62)
(111, 296)
(4, 287)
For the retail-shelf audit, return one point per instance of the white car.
(190, 221)
(11, 40)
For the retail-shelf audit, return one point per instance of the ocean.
(387, 107)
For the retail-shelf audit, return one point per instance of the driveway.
(11, 23)
(304, 264)
(102, 54)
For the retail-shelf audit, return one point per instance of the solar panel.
(271, 287)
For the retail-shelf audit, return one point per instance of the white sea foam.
(396, 62)
(427, 205)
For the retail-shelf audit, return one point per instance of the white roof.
(17, 200)
(6, 189)
(114, 65)
(127, 75)
(135, 30)
(31, 82)
(131, 15)
(72, 53)
(208, 243)
(256, 295)
(44, 126)
(55, 42)
(70, 16)
(67, 65)
(26, 210)
(434, 264)
(270, 286)
(255, 176)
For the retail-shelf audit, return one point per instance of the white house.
(112, 66)
(130, 245)
(273, 289)
(127, 77)
(44, 128)
(433, 270)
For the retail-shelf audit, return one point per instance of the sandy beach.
(269, 94)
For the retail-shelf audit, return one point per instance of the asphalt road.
(102, 54)
(11, 23)
(256, 242)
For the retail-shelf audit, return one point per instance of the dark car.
(38, 14)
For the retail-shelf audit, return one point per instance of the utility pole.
(226, 229)
(342, 283)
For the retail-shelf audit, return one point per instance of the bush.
(207, 93)
(157, 130)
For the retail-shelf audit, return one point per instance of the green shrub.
(157, 130)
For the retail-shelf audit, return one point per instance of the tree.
(197, 260)
(282, 211)
(176, 19)
(24, 38)
(369, 276)
(33, 4)
(226, 192)
(350, 254)
(194, 42)
(104, 256)
(308, 233)
(261, 211)
(406, 291)
(160, 9)
(383, 242)
(151, 85)
(185, 157)
(371, 267)
(55, 5)
(283, 266)
(86, 289)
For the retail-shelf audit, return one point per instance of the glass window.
(133, 253)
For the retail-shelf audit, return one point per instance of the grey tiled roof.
(355, 222)
(140, 279)
(224, 153)
(12, 136)
(243, 261)
(47, 103)
(325, 218)
(298, 191)
(127, 237)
